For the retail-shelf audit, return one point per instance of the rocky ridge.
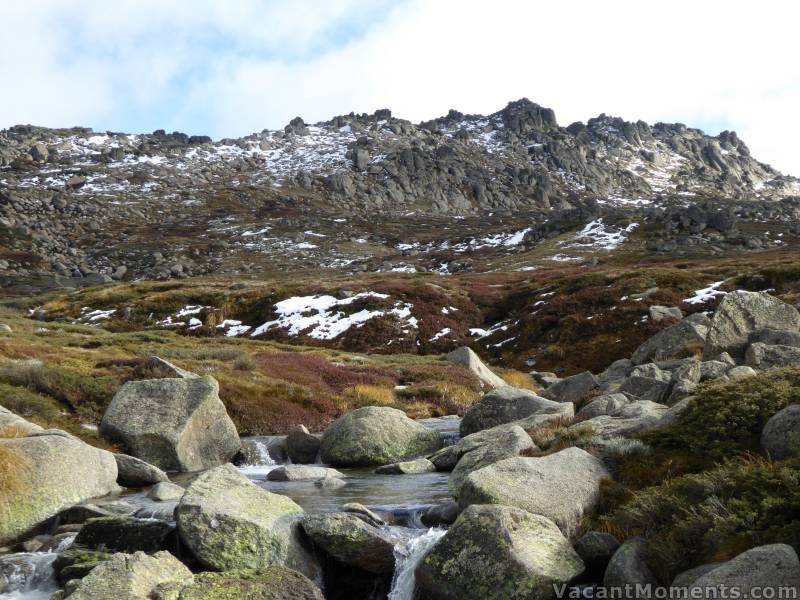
(84, 205)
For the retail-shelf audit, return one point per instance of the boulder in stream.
(498, 553)
(376, 435)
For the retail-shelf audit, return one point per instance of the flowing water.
(29, 575)
(407, 555)
(399, 499)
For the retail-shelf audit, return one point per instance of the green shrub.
(726, 418)
(714, 515)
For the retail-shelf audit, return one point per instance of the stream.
(399, 499)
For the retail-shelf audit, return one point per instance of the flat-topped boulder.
(177, 424)
(374, 436)
(504, 405)
(563, 487)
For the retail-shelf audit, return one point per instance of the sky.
(227, 68)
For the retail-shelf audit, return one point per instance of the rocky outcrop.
(230, 523)
(498, 553)
(767, 356)
(563, 487)
(132, 576)
(507, 404)
(177, 424)
(49, 471)
(467, 358)
(352, 541)
(373, 436)
(740, 314)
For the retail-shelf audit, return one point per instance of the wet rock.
(270, 583)
(129, 576)
(165, 492)
(124, 534)
(301, 473)
(62, 471)
(352, 541)
(409, 467)
(230, 523)
(441, 514)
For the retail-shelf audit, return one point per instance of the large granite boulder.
(780, 437)
(742, 313)
(686, 338)
(177, 424)
(352, 541)
(45, 473)
(376, 435)
(498, 553)
(486, 447)
(775, 566)
(504, 405)
(467, 358)
(270, 583)
(11, 422)
(563, 486)
(132, 577)
(230, 523)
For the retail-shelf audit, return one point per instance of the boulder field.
(526, 479)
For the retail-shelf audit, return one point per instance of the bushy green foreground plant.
(726, 418)
(714, 515)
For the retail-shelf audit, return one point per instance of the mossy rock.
(498, 553)
(271, 583)
(230, 523)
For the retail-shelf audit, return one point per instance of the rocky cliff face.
(75, 202)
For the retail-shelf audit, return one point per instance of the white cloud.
(229, 68)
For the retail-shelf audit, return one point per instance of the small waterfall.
(29, 575)
(259, 460)
(407, 555)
